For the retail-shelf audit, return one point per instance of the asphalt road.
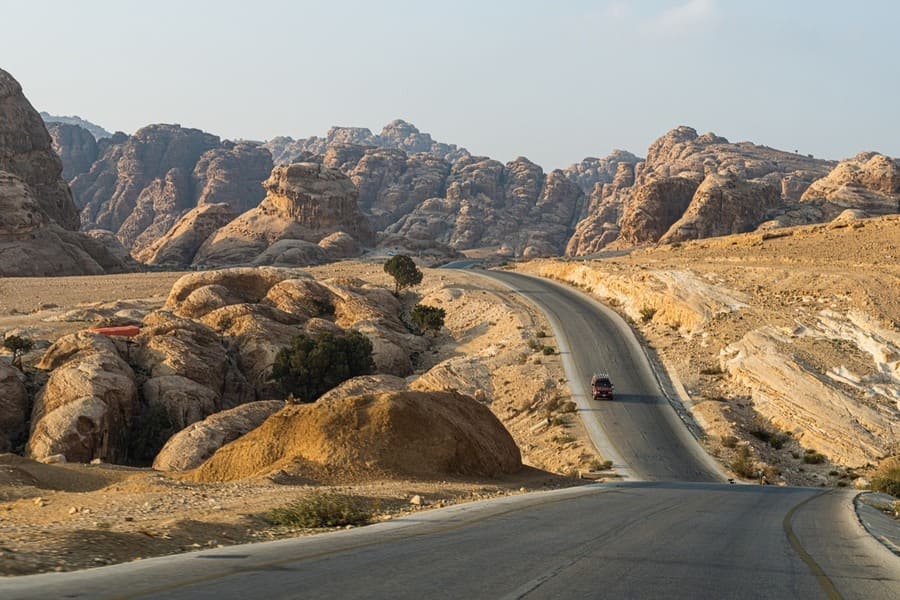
(693, 538)
(639, 430)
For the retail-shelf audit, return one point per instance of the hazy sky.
(551, 80)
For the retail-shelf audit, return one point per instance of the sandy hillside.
(62, 517)
(791, 335)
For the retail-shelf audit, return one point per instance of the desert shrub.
(742, 463)
(540, 333)
(18, 345)
(150, 432)
(711, 371)
(428, 318)
(548, 350)
(600, 465)
(887, 477)
(561, 439)
(314, 365)
(647, 314)
(568, 407)
(811, 457)
(729, 441)
(534, 344)
(404, 271)
(321, 509)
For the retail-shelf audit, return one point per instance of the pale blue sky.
(553, 81)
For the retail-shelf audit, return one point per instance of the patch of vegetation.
(534, 344)
(540, 333)
(321, 509)
(742, 463)
(19, 346)
(548, 350)
(314, 365)
(647, 314)
(428, 318)
(150, 432)
(887, 477)
(811, 457)
(404, 271)
(729, 441)
(763, 430)
(561, 439)
(568, 407)
(600, 465)
(711, 371)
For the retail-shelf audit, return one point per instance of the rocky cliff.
(306, 204)
(97, 131)
(397, 135)
(141, 186)
(679, 165)
(869, 182)
(76, 147)
(38, 219)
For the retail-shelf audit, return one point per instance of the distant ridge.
(97, 131)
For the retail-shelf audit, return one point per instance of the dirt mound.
(425, 434)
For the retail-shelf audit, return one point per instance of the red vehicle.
(601, 387)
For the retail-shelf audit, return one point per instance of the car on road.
(601, 387)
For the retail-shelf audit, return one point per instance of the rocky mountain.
(39, 223)
(76, 147)
(142, 185)
(397, 135)
(96, 131)
(705, 185)
(869, 182)
(591, 171)
(310, 214)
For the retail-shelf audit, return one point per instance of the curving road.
(645, 539)
(639, 430)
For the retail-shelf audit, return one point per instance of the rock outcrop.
(399, 434)
(305, 204)
(85, 409)
(869, 182)
(33, 245)
(180, 244)
(645, 203)
(95, 130)
(26, 152)
(191, 446)
(396, 135)
(76, 147)
(141, 186)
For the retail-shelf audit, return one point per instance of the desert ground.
(70, 516)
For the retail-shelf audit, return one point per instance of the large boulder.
(84, 411)
(393, 434)
(188, 448)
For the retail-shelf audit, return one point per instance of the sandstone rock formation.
(180, 244)
(306, 202)
(191, 446)
(84, 411)
(647, 202)
(591, 171)
(397, 135)
(76, 147)
(142, 185)
(370, 436)
(515, 208)
(95, 130)
(25, 151)
(869, 182)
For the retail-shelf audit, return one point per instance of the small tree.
(428, 318)
(404, 271)
(314, 365)
(18, 346)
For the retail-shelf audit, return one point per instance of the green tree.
(428, 318)
(314, 365)
(404, 271)
(18, 346)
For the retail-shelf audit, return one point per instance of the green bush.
(314, 365)
(729, 441)
(647, 314)
(321, 509)
(428, 318)
(404, 271)
(887, 477)
(548, 350)
(600, 465)
(811, 457)
(18, 345)
(742, 463)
